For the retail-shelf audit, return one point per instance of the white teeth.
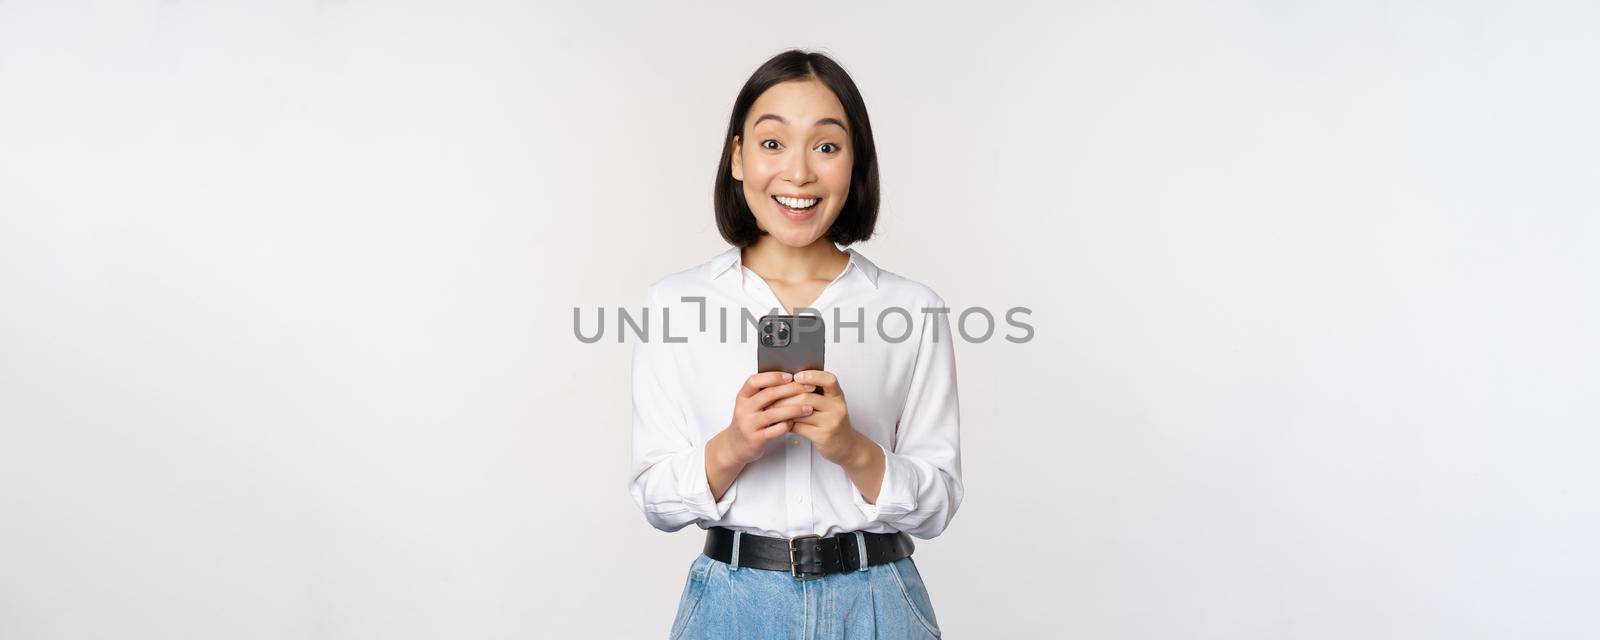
(796, 203)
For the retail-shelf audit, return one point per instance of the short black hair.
(856, 221)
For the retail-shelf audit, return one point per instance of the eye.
(764, 144)
(829, 144)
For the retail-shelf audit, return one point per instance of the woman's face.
(798, 147)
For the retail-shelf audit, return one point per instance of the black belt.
(808, 556)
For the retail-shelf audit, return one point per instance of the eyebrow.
(773, 116)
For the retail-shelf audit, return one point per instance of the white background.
(286, 297)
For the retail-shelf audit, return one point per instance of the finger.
(828, 382)
(796, 399)
(754, 384)
(772, 394)
(774, 416)
(775, 431)
(817, 402)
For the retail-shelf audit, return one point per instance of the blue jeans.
(886, 601)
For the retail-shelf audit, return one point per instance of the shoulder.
(690, 281)
(671, 286)
(904, 291)
(892, 287)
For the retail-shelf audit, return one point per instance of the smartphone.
(789, 343)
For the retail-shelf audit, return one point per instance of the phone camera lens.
(766, 340)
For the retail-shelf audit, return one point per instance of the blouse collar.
(727, 260)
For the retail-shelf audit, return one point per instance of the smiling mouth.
(796, 204)
(796, 213)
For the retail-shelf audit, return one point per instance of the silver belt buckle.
(795, 566)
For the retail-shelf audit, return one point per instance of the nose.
(798, 171)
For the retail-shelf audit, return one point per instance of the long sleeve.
(922, 485)
(667, 475)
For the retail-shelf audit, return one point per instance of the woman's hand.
(828, 424)
(757, 416)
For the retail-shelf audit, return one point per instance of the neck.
(773, 260)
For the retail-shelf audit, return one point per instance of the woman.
(811, 492)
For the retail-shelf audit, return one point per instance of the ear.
(738, 163)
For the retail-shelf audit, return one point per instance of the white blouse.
(895, 363)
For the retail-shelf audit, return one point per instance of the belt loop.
(861, 547)
(737, 534)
